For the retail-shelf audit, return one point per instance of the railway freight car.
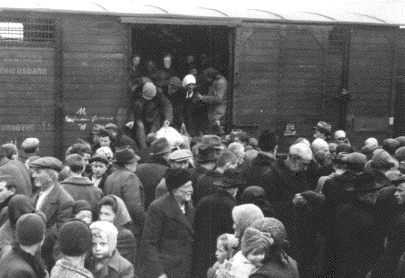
(63, 70)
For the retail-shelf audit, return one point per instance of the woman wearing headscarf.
(257, 196)
(276, 263)
(18, 206)
(112, 209)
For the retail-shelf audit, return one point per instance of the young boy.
(106, 261)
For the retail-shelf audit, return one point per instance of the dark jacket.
(129, 188)
(382, 179)
(360, 243)
(213, 217)
(260, 164)
(123, 140)
(150, 175)
(150, 110)
(168, 239)
(25, 173)
(8, 168)
(199, 171)
(115, 267)
(126, 244)
(204, 185)
(13, 264)
(276, 270)
(82, 188)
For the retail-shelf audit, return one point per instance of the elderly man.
(340, 137)
(52, 200)
(322, 158)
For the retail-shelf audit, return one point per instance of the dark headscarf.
(257, 196)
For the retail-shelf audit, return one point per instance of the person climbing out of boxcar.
(150, 110)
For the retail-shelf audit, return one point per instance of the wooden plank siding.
(94, 73)
(27, 85)
(400, 85)
(370, 77)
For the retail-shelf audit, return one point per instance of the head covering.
(382, 160)
(355, 158)
(106, 151)
(400, 154)
(10, 149)
(180, 155)
(176, 178)
(160, 146)
(122, 217)
(175, 81)
(401, 140)
(251, 194)
(47, 162)
(30, 229)
(75, 238)
(390, 145)
(211, 139)
(365, 182)
(344, 148)
(245, 215)
(400, 179)
(189, 79)
(109, 229)
(30, 143)
(100, 158)
(268, 140)
(80, 205)
(125, 155)
(18, 206)
(323, 127)
(274, 227)
(206, 153)
(253, 239)
(149, 90)
(111, 126)
(231, 178)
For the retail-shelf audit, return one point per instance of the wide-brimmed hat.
(365, 182)
(231, 178)
(213, 140)
(323, 127)
(125, 155)
(206, 153)
(160, 146)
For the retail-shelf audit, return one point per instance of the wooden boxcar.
(62, 71)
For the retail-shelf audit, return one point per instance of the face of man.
(42, 178)
(104, 141)
(5, 192)
(400, 194)
(184, 192)
(299, 164)
(167, 62)
(318, 134)
(322, 153)
(179, 164)
(136, 61)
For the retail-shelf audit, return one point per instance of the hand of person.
(163, 276)
(130, 124)
(299, 200)
(198, 96)
(166, 123)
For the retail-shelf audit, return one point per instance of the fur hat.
(255, 239)
(30, 229)
(109, 229)
(74, 238)
(176, 178)
(274, 227)
(149, 90)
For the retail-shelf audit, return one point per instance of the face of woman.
(98, 168)
(184, 192)
(106, 214)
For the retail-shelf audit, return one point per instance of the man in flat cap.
(177, 159)
(52, 200)
(30, 147)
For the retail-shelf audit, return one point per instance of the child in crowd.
(225, 245)
(106, 261)
(82, 210)
(255, 245)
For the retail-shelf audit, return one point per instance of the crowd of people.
(209, 206)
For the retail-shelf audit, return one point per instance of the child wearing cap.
(75, 241)
(106, 261)
(82, 210)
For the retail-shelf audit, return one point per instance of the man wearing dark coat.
(168, 233)
(213, 217)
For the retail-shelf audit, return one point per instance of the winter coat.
(360, 243)
(7, 235)
(216, 99)
(260, 164)
(213, 217)
(150, 175)
(168, 239)
(82, 188)
(205, 185)
(276, 270)
(151, 110)
(381, 178)
(25, 173)
(64, 268)
(115, 267)
(8, 168)
(129, 188)
(123, 140)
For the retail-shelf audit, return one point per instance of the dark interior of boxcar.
(152, 41)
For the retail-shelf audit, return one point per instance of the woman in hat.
(100, 167)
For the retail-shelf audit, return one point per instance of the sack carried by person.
(171, 134)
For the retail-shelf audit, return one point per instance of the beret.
(180, 155)
(47, 162)
(30, 143)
